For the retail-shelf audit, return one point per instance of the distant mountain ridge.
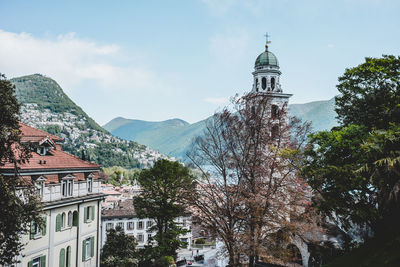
(174, 137)
(47, 107)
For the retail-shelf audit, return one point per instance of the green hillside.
(173, 137)
(47, 107)
(47, 94)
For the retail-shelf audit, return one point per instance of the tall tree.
(119, 249)
(164, 187)
(251, 188)
(20, 206)
(355, 167)
(370, 93)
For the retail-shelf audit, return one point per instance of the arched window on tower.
(263, 83)
(256, 84)
(274, 111)
(275, 132)
(272, 83)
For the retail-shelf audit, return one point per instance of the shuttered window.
(62, 258)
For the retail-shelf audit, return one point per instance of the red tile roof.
(30, 134)
(55, 159)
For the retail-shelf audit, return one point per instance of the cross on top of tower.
(267, 41)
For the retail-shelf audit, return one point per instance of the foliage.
(47, 94)
(200, 241)
(17, 212)
(119, 249)
(370, 93)
(163, 188)
(355, 167)
(250, 182)
(119, 175)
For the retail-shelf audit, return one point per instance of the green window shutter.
(58, 223)
(69, 256)
(92, 246)
(32, 231)
(85, 214)
(43, 261)
(75, 218)
(30, 264)
(92, 208)
(44, 226)
(62, 258)
(83, 250)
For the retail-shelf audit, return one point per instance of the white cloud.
(216, 100)
(72, 61)
(331, 46)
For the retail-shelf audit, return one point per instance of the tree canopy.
(119, 249)
(355, 167)
(164, 187)
(17, 213)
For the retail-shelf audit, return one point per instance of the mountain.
(47, 107)
(173, 137)
(321, 113)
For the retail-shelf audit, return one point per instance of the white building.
(124, 216)
(70, 191)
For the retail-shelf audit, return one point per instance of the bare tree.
(251, 189)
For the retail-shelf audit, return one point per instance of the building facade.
(123, 215)
(69, 189)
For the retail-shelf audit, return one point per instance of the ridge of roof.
(27, 131)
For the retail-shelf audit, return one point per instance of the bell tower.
(266, 76)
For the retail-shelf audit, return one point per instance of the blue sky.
(156, 60)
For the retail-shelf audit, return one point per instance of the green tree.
(119, 249)
(370, 93)
(355, 167)
(17, 213)
(163, 189)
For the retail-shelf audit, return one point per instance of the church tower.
(266, 77)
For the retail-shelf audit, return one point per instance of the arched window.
(264, 83)
(62, 258)
(256, 84)
(275, 132)
(63, 220)
(274, 111)
(68, 257)
(273, 83)
(75, 218)
(69, 222)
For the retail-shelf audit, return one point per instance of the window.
(68, 257)
(90, 185)
(63, 219)
(273, 83)
(149, 224)
(140, 238)
(40, 188)
(67, 187)
(256, 85)
(131, 225)
(274, 111)
(140, 225)
(275, 131)
(109, 226)
(69, 219)
(264, 83)
(36, 231)
(87, 248)
(38, 262)
(89, 214)
(120, 225)
(149, 237)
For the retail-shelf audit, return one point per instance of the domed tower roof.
(266, 58)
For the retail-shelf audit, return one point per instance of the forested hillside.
(46, 106)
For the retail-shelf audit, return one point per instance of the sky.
(158, 60)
